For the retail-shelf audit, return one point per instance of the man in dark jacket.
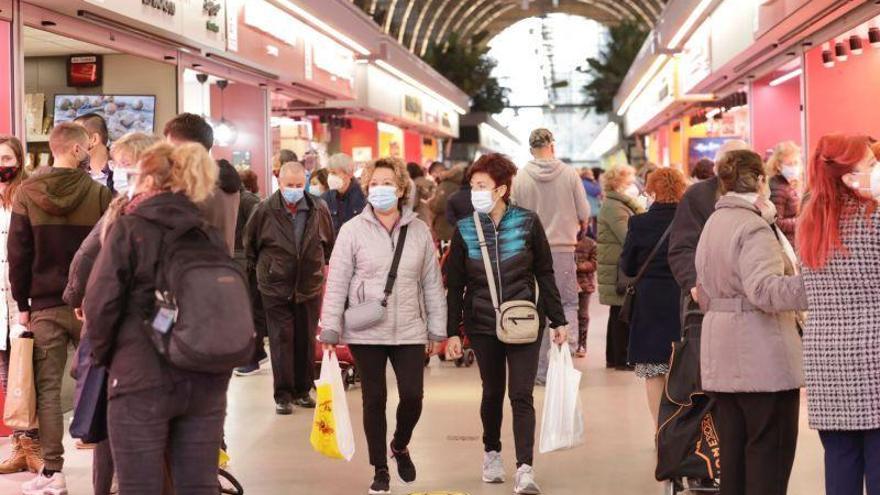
(246, 206)
(221, 209)
(448, 186)
(345, 199)
(288, 241)
(54, 210)
(459, 204)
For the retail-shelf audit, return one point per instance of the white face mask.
(791, 172)
(335, 182)
(867, 183)
(483, 201)
(632, 191)
(317, 189)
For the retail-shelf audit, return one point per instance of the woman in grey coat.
(415, 314)
(839, 243)
(750, 352)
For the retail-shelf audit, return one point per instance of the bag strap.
(487, 263)
(651, 256)
(392, 274)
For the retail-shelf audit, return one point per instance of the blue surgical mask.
(292, 195)
(383, 198)
(482, 201)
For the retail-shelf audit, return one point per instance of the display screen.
(123, 114)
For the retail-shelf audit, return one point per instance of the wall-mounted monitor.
(123, 113)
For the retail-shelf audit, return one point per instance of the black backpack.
(202, 317)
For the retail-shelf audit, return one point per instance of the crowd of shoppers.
(740, 247)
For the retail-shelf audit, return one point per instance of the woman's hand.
(453, 348)
(560, 335)
(78, 312)
(431, 348)
(329, 348)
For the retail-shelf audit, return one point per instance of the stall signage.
(412, 107)
(273, 21)
(201, 21)
(695, 63)
(657, 96)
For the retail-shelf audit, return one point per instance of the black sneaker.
(283, 408)
(406, 470)
(305, 402)
(381, 482)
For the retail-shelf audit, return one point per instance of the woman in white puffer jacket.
(415, 314)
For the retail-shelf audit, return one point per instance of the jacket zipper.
(497, 264)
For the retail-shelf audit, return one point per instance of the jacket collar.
(276, 202)
(736, 201)
(623, 198)
(406, 216)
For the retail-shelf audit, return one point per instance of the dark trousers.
(616, 340)
(292, 329)
(852, 462)
(184, 418)
(758, 434)
(496, 360)
(259, 320)
(102, 468)
(583, 318)
(408, 362)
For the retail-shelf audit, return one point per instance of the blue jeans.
(565, 271)
(852, 462)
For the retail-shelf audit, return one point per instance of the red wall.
(5, 79)
(776, 113)
(243, 106)
(412, 147)
(362, 133)
(842, 98)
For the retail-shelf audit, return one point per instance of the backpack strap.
(392, 274)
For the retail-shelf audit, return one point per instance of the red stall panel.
(412, 147)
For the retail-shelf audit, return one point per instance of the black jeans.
(408, 362)
(496, 359)
(852, 462)
(616, 340)
(259, 320)
(292, 329)
(758, 434)
(186, 419)
(102, 468)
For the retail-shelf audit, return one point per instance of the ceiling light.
(781, 79)
(354, 45)
(855, 44)
(225, 132)
(827, 59)
(688, 24)
(874, 36)
(840, 52)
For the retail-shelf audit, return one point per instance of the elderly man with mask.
(345, 199)
(288, 241)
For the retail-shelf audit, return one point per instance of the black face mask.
(7, 174)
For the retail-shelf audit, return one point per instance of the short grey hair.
(342, 163)
(292, 167)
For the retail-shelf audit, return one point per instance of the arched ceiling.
(416, 23)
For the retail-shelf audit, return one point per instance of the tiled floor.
(271, 454)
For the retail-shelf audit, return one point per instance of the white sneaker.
(493, 467)
(41, 485)
(525, 481)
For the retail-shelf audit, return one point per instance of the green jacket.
(613, 223)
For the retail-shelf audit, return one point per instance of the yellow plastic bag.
(332, 434)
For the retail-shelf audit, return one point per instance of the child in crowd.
(585, 256)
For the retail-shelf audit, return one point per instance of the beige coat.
(750, 341)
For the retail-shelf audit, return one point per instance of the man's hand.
(24, 318)
(329, 347)
(78, 312)
(453, 348)
(560, 335)
(431, 348)
(694, 295)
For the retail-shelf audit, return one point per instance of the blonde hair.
(186, 168)
(133, 144)
(396, 165)
(613, 178)
(780, 152)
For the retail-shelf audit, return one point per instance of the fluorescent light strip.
(354, 45)
(791, 75)
(416, 84)
(656, 66)
(688, 24)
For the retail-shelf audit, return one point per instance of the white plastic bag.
(331, 433)
(562, 424)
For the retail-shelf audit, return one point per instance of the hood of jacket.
(545, 170)
(57, 191)
(171, 210)
(228, 181)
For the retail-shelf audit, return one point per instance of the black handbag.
(629, 295)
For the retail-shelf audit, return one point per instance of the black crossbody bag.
(629, 296)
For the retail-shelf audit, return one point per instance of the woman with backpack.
(155, 406)
(510, 242)
(385, 299)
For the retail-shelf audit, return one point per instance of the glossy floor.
(271, 454)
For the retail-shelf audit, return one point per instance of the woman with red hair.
(839, 241)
